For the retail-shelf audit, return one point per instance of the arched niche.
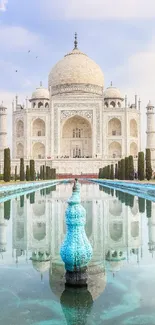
(114, 127)
(46, 105)
(38, 151)
(39, 230)
(19, 230)
(38, 209)
(135, 229)
(40, 104)
(133, 149)
(112, 104)
(135, 208)
(38, 128)
(19, 129)
(115, 150)
(20, 150)
(133, 128)
(116, 230)
(106, 104)
(115, 208)
(76, 138)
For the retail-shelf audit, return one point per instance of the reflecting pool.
(121, 274)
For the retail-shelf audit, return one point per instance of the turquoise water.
(121, 275)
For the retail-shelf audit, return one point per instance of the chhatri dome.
(76, 68)
(112, 93)
(40, 93)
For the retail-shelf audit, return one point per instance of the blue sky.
(119, 35)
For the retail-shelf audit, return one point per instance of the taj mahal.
(76, 126)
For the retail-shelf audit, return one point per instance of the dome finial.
(41, 83)
(111, 84)
(75, 42)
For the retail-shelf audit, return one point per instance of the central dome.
(76, 69)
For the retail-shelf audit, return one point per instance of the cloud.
(137, 75)
(100, 9)
(3, 4)
(18, 38)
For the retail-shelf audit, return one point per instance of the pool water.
(121, 274)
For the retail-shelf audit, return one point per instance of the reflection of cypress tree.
(32, 198)
(141, 204)
(53, 188)
(100, 187)
(116, 193)
(7, 209)
(27, 195)
(48, 190)
(121, 196)
(21, 201)
(148, 209)
(112, 191)
(129, 199)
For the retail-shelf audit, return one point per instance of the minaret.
(3, 130)
(150, 129)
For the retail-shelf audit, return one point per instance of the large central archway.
(76, 138)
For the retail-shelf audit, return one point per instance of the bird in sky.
(16, 70)
(29, 51)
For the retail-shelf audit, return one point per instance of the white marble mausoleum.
(76, 126)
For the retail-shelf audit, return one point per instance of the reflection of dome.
(112, 93)
(96, 279)
(76, 68)
(40, 93)
(41, 261)
(114, 266)
(114, 260)
(41, 266)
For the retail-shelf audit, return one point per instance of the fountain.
(76, 251)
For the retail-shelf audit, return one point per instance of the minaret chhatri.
(150, 143)
(3, 130)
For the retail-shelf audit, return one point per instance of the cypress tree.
(116, 171)
(99, 174)
(7, 165)
(141, 204)
(148, 171)
(112, 172)
(108, 172)
(15, 173)
(22, 176)
(119, 170)
(44, 172)
(32, 170)
(7, 208)
(126, 168)
(27, 173)
(131, 168)
(141, 165)
(41, 172)
(122, 169)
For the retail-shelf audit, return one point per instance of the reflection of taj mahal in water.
(113, 229)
